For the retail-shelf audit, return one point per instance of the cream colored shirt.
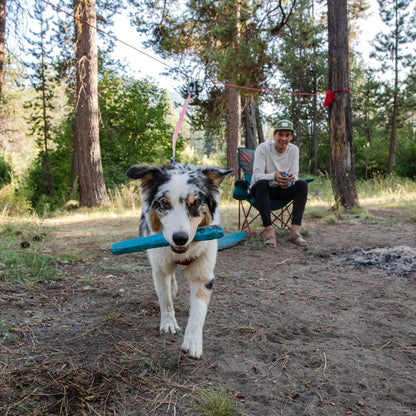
(267, 161)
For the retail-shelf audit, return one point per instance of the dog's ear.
(139, 171)
(216, 175)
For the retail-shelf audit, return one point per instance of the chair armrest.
(241, 190)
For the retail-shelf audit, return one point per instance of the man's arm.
(260, 166)
(294, 163)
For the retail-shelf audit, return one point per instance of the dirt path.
(327, 330)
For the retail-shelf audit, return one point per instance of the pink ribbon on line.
(178, 126)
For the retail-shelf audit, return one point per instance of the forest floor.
(325, 330)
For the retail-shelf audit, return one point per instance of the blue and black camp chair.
(281, 210)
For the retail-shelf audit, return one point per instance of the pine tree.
(392, 50)
(342, 165)
(226, 42)
(42, 81)
(87, 145)
(2, 39)
(302, 60)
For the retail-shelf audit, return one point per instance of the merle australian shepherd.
(175, 201)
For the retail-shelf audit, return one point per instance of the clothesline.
(328, 94)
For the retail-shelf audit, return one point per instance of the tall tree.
(303, 64)
(369, 110)
(227, 41)
(43, 84)
(340, 126)
(87, 150)
(2, 39)
(391, 50)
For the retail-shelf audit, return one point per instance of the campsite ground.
(324, 330)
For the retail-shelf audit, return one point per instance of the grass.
(7, 334)
(22, 258)
(376, 193)
(36, 262)
(210, 402)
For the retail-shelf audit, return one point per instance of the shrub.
(13, 202)
(5, 171)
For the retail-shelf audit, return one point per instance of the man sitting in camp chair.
(275, 176)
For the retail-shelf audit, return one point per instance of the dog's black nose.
(180, 238)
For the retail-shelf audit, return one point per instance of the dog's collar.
(185, 262)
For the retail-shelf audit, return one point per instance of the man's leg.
(261, 191)
(298, 192)
(300, 196)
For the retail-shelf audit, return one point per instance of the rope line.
(266, 91)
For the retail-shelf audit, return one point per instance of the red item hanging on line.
(330, 95)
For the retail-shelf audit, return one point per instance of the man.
(275, 176)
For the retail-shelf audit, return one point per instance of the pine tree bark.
(259, 124)
(90, 172)
(250, 122)
(342, 165)
(233, 128)
(392, 144)
(2, 40)
(313, 169)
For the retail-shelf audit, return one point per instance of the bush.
(13, 202)
(5, 172)
(405, 164)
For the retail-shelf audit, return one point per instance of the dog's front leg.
(200, 297)
(163, 284)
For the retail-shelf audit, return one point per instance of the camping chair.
(281, 210)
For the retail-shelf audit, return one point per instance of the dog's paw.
(192, 346)
(169, 325)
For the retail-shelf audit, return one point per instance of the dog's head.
(178, 199)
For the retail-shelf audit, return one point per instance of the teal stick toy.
(212, 232)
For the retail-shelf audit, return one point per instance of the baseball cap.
(284, 125)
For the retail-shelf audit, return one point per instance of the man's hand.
(284, 180)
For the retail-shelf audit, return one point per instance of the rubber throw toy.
(212, 232)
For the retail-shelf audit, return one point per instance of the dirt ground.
(325, 330)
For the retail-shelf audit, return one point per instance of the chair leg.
(279, 219)
(244, 224)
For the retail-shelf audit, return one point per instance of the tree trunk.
(260, 133)
(233, 128)
(341, 137)
(250, 122)
(395, 112)
(2, 40)
(90, 171)
(313, 169)
(393, 134)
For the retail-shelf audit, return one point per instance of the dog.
(176, 200)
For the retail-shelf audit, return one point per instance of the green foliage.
(134, 127)
(302, 61)
(125, 196)
(405, 164)
(22, 257)
(13, 201)
(211, 402)
(43, 82)
(7, 332)
(5, 171)
(36, 187)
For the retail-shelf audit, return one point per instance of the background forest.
(275, 52)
